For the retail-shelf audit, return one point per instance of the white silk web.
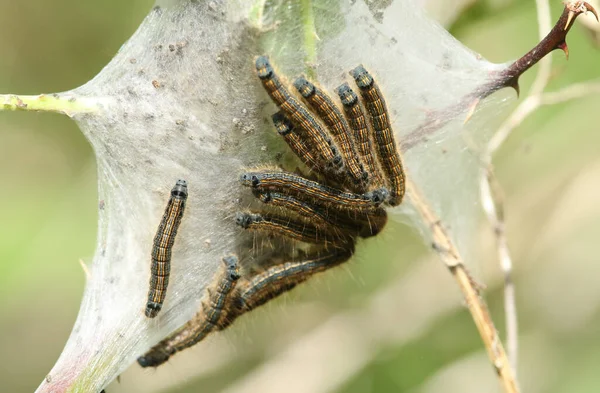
(181, 100)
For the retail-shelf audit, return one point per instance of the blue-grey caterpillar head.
(232, 266)
(180, 190)
(263, 67)
(152, 309)
(304, 87)
(363, 79)
(282, 124)
(153, 361)
(244, 220)
(378, 196)
(347, 95)
(249, 180)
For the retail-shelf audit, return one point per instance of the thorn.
(86, 271)
(576, 8)
(569, 19)
(563, 46)
(471, 110)
(589, 7)
(515, 85)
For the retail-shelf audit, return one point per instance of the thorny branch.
(490, 190)
(508, 77)
(555, 39)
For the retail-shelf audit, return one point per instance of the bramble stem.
(509, 77)
(66, 104)
(555, 39)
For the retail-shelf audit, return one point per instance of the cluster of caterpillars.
(354, 171)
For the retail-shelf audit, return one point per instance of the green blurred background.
(390, 321)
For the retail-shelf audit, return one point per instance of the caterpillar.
(161, 249)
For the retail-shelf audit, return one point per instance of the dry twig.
(450, 256)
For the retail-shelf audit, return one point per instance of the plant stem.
(555, 39)
(509, 77)
(448, 253)
(257, 12)
(60, 103)
(310, 36)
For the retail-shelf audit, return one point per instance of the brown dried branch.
(448, 253)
